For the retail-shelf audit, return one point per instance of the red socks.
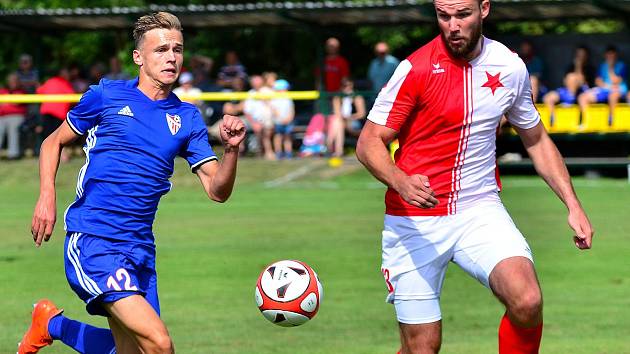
(518, 340)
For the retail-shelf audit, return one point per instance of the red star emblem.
(494, 82)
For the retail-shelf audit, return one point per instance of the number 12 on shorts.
(121, 274)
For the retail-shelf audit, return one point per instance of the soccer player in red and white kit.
(444, 103)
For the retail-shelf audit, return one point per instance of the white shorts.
(417, 250)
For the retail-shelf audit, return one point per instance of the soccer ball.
(288, 293)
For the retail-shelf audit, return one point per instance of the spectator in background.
(314, 142)
(231, 70)
(97, 72)
(335, 67)
(233, 108)
(381, 67)
(28, 77)
(535, 67)
(270, 78)
(11, 118)
(200, 67)
(54, 113)
(578, 78)
(258, 115)
(348, 113)
(610, 84)
(115, 70)
(282, 113)
(78, 81)
(186, 88)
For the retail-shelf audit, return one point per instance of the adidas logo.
(126, 111)
(437, 69)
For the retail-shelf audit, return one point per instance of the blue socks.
(81, 337)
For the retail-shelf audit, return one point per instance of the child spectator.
(282, 112)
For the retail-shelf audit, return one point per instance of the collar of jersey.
(170, 100)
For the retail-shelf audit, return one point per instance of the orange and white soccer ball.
(288, 293)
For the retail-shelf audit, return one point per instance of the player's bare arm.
(372, 152)
(218, 178)
(550, 166)
(45, 214)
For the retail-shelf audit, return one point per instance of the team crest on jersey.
(174, 123)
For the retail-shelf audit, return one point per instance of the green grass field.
(209, 257)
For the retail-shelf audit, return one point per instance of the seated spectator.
(11, 118)
(187, 90)
(282, 113)
(270, 78)
(577, 79)
(610, 83)
(231, 70)
(535, 68)
(233, 108)
(313, 143)
(258, 114)
(348, 114)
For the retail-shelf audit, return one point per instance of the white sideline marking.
(302, 171)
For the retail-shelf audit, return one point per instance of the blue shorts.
(102, 270)
(601, 94)
(283, 129)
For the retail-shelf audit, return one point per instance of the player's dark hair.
(155, 20)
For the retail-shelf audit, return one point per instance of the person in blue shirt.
(134, 130)
(381, 67)
(610, 83)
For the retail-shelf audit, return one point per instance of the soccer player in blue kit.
(134, 129)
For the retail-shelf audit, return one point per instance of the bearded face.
(461, 23)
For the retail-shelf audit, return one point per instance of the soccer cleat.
(37, 335)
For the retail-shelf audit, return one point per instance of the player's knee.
(528, 307)
(161, 344)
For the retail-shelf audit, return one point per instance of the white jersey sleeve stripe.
(74, 129)
(387, 96)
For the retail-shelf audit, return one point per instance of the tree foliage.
(291, 51)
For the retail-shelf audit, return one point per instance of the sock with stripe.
(518, 340)
(81, 337)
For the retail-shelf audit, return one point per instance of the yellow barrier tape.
(205, 96)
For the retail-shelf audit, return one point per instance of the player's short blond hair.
(155, 20)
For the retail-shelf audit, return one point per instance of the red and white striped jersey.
(446, 112)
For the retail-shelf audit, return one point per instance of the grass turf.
(209, 257)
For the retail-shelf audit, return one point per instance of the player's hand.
(232, 131)
(580, 224)
(44, 218)
(416, 190)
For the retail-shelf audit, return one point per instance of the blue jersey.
(131, 145)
